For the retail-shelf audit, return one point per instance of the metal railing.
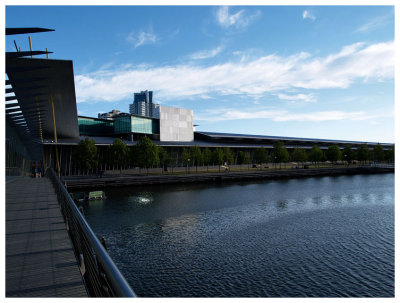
(101, 275)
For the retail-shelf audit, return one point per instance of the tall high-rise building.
(146, 96)
(143, 104)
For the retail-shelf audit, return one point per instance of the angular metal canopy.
(43, 89)
(54, 79)
(26, 30)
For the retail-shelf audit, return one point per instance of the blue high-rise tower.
(142, 104)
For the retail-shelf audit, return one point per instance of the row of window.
(123, 125)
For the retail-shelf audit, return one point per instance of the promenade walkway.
(40, 261)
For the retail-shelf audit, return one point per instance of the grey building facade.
(176, 124)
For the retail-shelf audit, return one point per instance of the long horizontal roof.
(105, 141)
(230, 136)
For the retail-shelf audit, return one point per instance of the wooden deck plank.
(40, 261)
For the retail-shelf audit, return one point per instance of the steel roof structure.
(43, 104)
(236, 138)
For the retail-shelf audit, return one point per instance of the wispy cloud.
(375, 23)
(142, 37)
(298, 97)
(205, 54)
(239, 20)
(284, 115)
(308, 15)
(259, 76)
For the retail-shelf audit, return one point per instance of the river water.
(314, 237)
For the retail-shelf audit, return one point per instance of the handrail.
(101, 275)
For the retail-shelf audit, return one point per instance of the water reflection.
(180, 229)
(281, 205)
(317, 200)
(307, 237)
(142, 198)
(96, 206)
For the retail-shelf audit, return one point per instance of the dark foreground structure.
(40, 260)
(51, 251)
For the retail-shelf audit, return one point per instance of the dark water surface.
(315, 237)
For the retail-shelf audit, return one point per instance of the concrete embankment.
(94, 182)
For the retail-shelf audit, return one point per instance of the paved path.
(40, 261)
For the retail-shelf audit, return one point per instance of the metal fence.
(101, 276)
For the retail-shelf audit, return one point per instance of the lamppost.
(188, 166)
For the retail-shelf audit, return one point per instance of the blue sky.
(300, 71)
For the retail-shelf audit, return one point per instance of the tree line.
(117, 156)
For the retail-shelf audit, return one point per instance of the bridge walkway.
(40, 261)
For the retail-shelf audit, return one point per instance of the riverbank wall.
(96, 182)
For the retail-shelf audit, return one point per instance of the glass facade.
(133, 124)
(95, 127)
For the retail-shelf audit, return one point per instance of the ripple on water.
(334, 244)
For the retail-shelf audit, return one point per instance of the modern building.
(110, 115)
(176, 124)
(169, 124)
(42, 121)
(143, 104)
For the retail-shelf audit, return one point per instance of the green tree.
(280, 153)
(315, 155)
(240, 157)
(228, 155)
(247, 159)
(119, 153)
(196, 156)
(133, 154)
(147, 153)
(348, 154)
(299, 155)
(86, 155)
(389, 154)
(260, 156)
(173, 158)
(363, 153)
(217, 157)
(207, 157)
(333, 153)
(378, 153)
(185, 157)
(163, 157)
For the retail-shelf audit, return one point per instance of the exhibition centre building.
(42, 122)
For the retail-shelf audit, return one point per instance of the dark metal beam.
(26, 30)
(10, 106)
(10, 55)
(11, 98)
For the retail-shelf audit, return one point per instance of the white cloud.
(298, 97)
(205, 54)
(240, 19)
(322, 116)
(375, 23)
(308, 15)
(138, 39)
(264, 75)
(283, 115)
